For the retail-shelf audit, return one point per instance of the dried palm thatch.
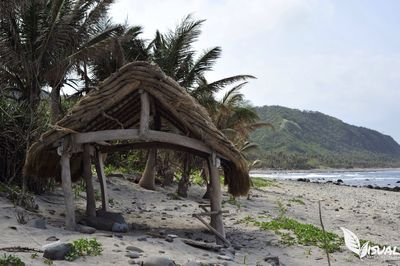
(115, 104)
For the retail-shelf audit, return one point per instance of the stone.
(133, 248)
(224, 257)
(52, 238)
(158, 261)
(120, 228)
(38, 223)
(169, 239)
(104, 220)
(142, 238)
(193, 263)
(273, 260)
(133, 254)
(132, 262)
(86, 229)
(57, 251)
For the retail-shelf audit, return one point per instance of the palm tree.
(175, 55)
(42, 41)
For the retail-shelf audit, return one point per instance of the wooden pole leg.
(215, 199)
(68, 195)
(87, 175)
(149, 174)
(102, 179)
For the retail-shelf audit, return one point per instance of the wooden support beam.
(134, 135)
(144, 113)
(102, 179)
(215, 197)
(219, 237)
(67, 188)
(87, 175)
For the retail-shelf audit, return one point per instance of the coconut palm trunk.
(184, 182)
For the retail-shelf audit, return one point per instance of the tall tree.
(42, 41)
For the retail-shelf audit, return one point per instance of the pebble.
(52, 238)
(158, 261)
(86, 229)
(224, 257)
(120, 227)
(193, 263)
(38, 223)
(273, 260)
(142, 238)
(133, 248)
(133, 254)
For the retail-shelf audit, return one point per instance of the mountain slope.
(305, 139)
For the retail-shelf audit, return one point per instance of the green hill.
(306, 139)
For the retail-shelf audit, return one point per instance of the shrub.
(11, 260)
(84, 247)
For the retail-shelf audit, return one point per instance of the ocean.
(364, 177)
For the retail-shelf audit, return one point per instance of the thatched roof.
(115, 104)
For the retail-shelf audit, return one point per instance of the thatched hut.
(142, 106)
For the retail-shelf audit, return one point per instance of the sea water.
(376, 177)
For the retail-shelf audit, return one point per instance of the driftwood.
(202, 245)
(20, 249)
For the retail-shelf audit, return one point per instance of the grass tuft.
(259, 182)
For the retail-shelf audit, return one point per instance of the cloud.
(307, 54)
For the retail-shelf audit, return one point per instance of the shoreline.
(324, 170)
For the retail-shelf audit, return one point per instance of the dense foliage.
(47, 46)
(305, 139)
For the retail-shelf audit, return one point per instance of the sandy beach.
(371, 214)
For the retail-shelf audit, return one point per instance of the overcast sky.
(339, 57)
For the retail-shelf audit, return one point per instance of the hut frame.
(94, 144)
(129, 106)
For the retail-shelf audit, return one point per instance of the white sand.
(371, 214)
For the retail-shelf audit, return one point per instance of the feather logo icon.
(353, 243)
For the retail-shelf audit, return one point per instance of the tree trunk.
(183, 184)
(55, 105)
(205, 174)
(149, 175)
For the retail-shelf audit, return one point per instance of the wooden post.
(144, 114)
(102, 179)
(87, 175)
(215, 198)
(67, 188)
(147, 180)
